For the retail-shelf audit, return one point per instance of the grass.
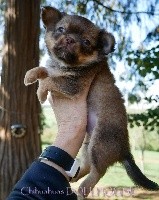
(116, 176)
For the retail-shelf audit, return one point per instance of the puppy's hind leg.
(88, 184)
(102, 153)
(94, 175)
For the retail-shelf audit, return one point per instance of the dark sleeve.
(42, 182)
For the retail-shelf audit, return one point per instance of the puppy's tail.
(137, 176)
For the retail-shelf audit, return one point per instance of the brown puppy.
(77, 51)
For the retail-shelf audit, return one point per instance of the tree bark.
(19, 104)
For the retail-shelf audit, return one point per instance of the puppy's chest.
(68, 82)
(69, 85)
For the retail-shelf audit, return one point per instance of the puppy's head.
(73, 39)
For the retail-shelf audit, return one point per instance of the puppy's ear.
(50, 16)
(107, 42)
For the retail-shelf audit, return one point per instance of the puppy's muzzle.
(66, 43)
(69, 40)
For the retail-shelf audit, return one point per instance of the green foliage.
(149, 119)
(82, 7)
(145, 64)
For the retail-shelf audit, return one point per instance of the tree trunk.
(19, 104)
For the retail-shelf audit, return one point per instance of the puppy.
(78, 50)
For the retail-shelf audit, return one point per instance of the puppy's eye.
(60, 29)
(86, 42)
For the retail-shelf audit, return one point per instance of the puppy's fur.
(78, 50)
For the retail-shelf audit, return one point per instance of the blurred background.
(26, 127)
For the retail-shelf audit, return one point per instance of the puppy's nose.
(70, 40)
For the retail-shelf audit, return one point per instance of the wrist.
(61, 160)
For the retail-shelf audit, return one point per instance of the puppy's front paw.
(30, 77)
